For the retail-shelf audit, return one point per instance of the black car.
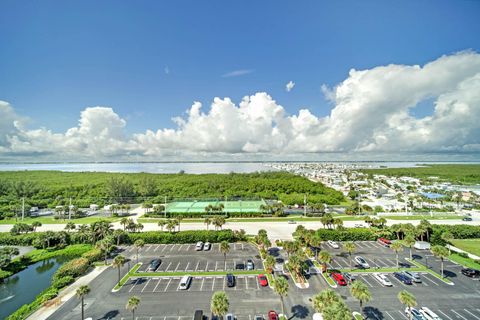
(349, 277)
(471, 273)
(403, 277)
(230, 280)
(198, 315)
(154, 264)
(240, 266)
(467, 218)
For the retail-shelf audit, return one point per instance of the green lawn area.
(467, 262)
(51, 220)
(471, 245)
(427, 216)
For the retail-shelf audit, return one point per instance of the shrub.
(62, 282)
(74, 268)
(463, 254)
(189, 236)
(93, 255)
(347, 235)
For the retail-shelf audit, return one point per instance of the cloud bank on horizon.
(372, 111)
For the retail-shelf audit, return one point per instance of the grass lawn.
(471, 245)
(467, 262)
(51, 220)
(427, 216)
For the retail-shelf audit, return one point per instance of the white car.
(429, 314)
(362, 262)
(382, 278)
(207, 246)
(199, 246)
(333, 244)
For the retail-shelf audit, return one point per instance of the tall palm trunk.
(283, 305)
(83, 315)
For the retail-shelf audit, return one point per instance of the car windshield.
(361, 260)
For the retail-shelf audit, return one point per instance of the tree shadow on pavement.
(110, 315)
(299, 311)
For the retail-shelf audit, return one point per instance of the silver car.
(362, 262)
(414, 276)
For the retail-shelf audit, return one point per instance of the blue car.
(403, 277)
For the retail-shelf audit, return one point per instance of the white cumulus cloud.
(372, 111)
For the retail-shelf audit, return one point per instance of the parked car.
(333, 244)
(272, 315)
(185, 282)
(349, 277)
(240, 266)
(154, 264)
(362, 262)
(416, 315)
(471, 273)
(415, 277)
(230, 280)
(467, 218)
(338, 278)
(250, 265)
(199, 246)
(429, 314)
(229, 316)
(383, 279)
(207, 246)
(403, 277)
(384, 242)
(198, 315)
(262, 279)
(292, 222)
(422, 245)
(258, 317)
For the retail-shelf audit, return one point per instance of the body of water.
(175, 167)
(23, 287)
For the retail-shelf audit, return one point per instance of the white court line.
(136, 281)
(444, 314)
(188, 263)
(169, 280)
(146, 284)
(197, 265)
(159, 280)
(471, 314)
(458, 314)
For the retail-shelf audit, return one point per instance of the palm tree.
(442, 253)
(105, 245)
(325, 258)
(219, 305)
(179, 219)
(118, 262)
(281, 288)
(360, 291)
(82, 291)
(35, 225)
(324, 299)
(138, 245)
(397, 247)
(295, 265)
(409, 241)
(269, 263)
(224, 248)
(162, 224)
(316, 242)
(350, 247)
(207, 221)
(337, 311)
(407, 299)
(447, 236)
(427, 226)
(124, 222)
(70, 226)
(132, 305)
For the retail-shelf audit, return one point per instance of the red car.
(262, 279)
(339, 279)
(384, 242)
(272, 315)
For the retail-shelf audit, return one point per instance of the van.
(185, 282)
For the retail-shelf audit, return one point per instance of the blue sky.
(58, 57)
(150, 60)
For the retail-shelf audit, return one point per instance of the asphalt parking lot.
(162, 300)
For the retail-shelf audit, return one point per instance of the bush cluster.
(360, 234)
(93, 255)
(73, 268)
(190, 236)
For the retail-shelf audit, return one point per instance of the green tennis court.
(198, 206)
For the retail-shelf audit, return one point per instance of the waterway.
(23, 287)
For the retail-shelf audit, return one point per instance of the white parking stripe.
(216, 267)
(156, 248)
(471, 314)
(338, 264)
(169, 280)
(440, 311)
(427, 278)
(180, 248)
(188, 263)
(148, 248)
(136, 281)
(197, 265)
(164, 246)
(146, 284)
(213, 283)
(168, 266)
(365, 279)
(389, 315)
(206, 267)
(223, 283)
(383, 262)
(201, 286)
(177, 266)
(159, 280)
(403, 315)
(458, 314)
(258, 286)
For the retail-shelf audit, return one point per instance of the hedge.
(360, 234)
(190, 236)
(73, 268)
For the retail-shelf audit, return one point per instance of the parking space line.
(206, 267)
(164, 247)
(216, 262)
(471, 314)
(196, 267)
(188, 263)
(213, 283)
(444, 314)
(169, 280)
(156, 248)
(380, 260)
(173, 246)
(201, 286)
(143, 289)
(365, 279)
(224, 283)
(242, 246)
(168, 266)
(458, 314)
(403, 315)
(178, 264)
(258, 286)
(133, 286)
(180, 248)
(427, 278)
(389, 315)
(246, 283)
(148, 248)
(159, 280)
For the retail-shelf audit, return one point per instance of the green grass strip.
(430, 271)
(466, 262)
(127, 276)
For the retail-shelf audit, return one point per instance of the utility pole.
(23, 207)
